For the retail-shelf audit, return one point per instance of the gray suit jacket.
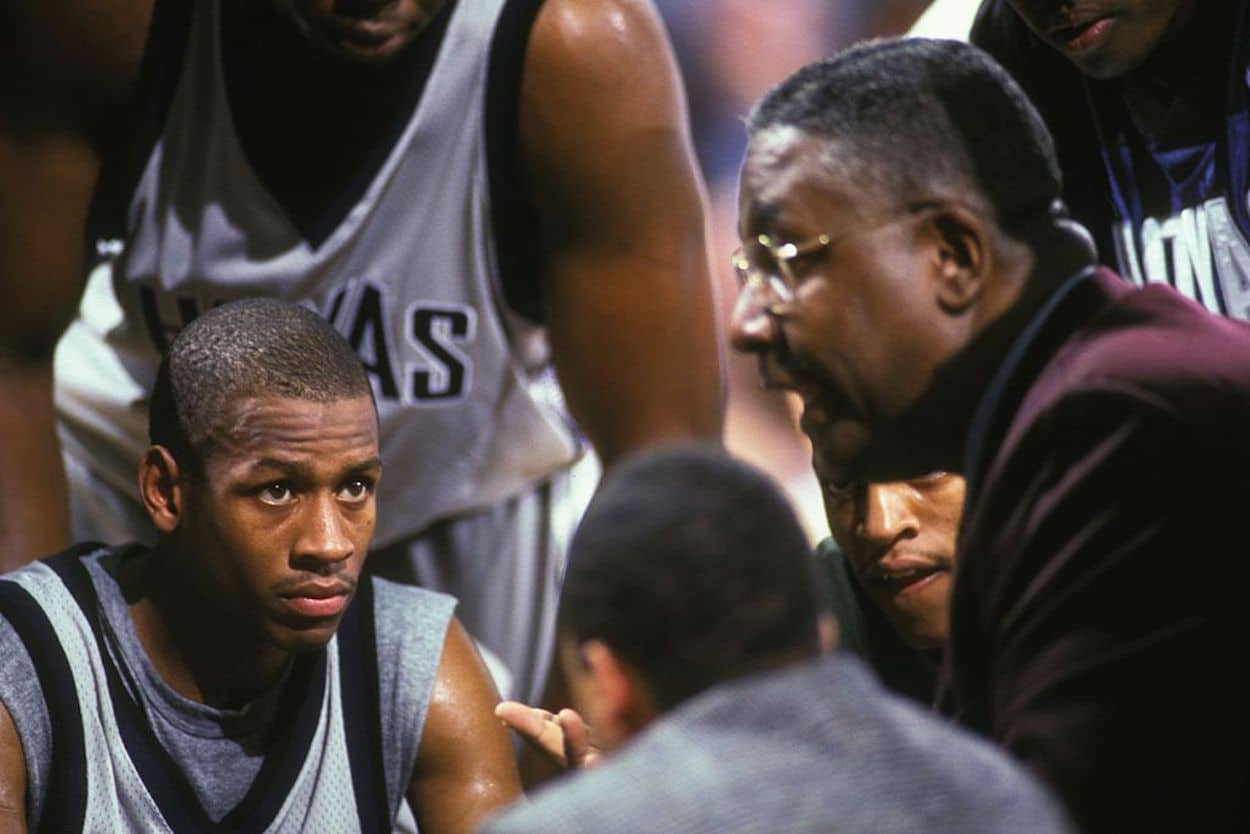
(818, 747)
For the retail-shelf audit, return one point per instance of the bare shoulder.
(602, 111)
(609, 54)
(465, 769)
(595, 30)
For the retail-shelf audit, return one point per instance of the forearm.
(34, 518)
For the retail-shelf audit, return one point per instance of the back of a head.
(258, 347)
(916, 119)
(692, 567)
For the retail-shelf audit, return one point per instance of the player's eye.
(278, 494)
(356, 491)
(841, 492)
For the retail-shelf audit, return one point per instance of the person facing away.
(474, 192)
(243, 674)
(912, 275)
(691, 634)
(1147, 101)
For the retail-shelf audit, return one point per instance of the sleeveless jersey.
(324, 766)
(407, 270)
(1174, 212)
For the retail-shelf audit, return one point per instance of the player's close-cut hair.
(693, 568)
(915, 118)
(257, 347)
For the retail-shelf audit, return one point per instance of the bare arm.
(625, 275)
(465, 768)
(12, 777)
(65, 71)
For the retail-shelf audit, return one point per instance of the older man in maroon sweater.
(908, 270)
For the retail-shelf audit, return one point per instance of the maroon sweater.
(1100, 621)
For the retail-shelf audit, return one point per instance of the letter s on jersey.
(435, 331)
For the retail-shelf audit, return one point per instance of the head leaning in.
(914, 121)
(688, 569)
(893, 201)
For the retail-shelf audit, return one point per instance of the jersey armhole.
(513, 216)
(65, 799)
(123, 164)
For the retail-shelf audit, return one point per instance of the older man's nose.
(751, 328)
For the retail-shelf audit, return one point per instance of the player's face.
(1104, 38)
(899, 538)
(857, 339)
(281, 521)
(370, 31)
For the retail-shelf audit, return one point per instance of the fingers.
(537, 726)
(577, 746)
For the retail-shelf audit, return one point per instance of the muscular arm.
(625, 276)
(465, 768)
(64, 70)
(12, 777)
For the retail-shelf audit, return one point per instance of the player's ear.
(827, 629)
(625, 699)
(961, 255)
(162, 488)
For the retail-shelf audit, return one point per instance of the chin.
(304, 641)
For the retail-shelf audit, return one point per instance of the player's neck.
(196, 649)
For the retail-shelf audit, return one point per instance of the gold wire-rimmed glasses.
(779, 275)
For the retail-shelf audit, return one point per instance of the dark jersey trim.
(65, 803)
(513, 217)
(122, 166)
(362, 714)
(294, 727)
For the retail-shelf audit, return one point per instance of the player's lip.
(901, 575)
(366, 33)
(359, 9)
(1082, 34)
(318, 600)
(319, 590)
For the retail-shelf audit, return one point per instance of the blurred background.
(731, 52)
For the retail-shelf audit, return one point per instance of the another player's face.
(899, 538)
(281, 521)
(857, 340)
(370, 31)
(1104, 38)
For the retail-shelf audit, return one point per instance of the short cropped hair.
(916, 117)
(257, 347)
(694, 569)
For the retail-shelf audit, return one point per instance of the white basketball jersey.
(469, 410)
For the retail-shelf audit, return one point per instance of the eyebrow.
(294, 469)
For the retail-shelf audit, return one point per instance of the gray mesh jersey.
(816, 748)
(408, 271)
(336, 746)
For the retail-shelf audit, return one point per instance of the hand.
(563, 737)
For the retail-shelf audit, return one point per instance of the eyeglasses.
(777, 272)
(778, 276)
